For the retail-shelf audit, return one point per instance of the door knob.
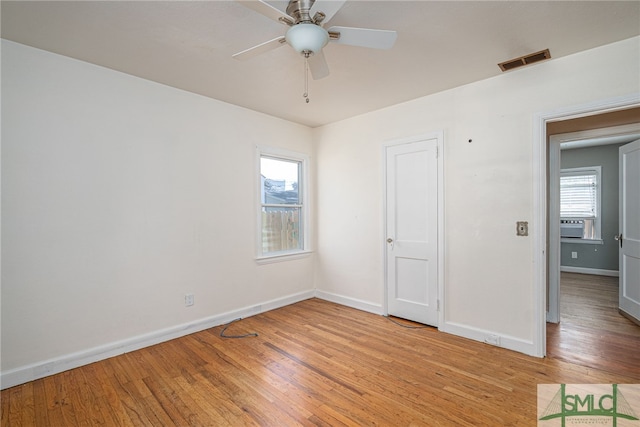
(618, 237)
(390, 241)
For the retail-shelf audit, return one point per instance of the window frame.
(303, 204)
(597, 218)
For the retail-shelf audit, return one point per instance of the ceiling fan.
(307, 35)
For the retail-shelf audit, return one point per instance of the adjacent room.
(317, 212)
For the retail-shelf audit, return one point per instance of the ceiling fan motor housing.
(307, 38)
(299, 10)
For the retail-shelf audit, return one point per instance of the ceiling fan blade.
(327, 7)
(364, 37)
(261, 48)
(318, 66)
(267, 10)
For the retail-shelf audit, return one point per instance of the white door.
(629, 226)
(412, 231)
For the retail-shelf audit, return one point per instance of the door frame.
(599, 136)
(439, 137)
(540, 201)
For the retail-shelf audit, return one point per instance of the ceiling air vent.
(525, 60)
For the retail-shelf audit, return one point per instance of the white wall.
(120, 195)
(489, 278)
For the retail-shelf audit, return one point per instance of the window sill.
(289, 256)
(582, 241)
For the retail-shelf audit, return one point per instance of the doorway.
(611, 112)
(596, 149)
(588, 328)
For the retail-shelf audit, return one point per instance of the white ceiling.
(440, 45)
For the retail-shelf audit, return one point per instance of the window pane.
(281, 230)
(281, 216)
(280, 181)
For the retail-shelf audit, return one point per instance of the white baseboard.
(594, 271)
(63, 363)
(476, 334)
(350, 302)
(489, 337)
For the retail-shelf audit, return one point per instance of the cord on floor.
(252, 334)
(406, 326)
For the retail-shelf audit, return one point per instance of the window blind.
(578, 195)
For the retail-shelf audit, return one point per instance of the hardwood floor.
(591, 332)
(313, 363)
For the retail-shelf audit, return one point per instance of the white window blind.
(579, 194)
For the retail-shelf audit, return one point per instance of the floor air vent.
(525, 60)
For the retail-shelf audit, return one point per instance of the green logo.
(586, 404)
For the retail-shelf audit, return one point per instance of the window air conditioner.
(573, 228)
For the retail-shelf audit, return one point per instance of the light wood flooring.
(591, 331)
(313, 363)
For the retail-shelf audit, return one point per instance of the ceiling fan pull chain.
(306, 80)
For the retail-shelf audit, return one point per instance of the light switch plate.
(522, 228)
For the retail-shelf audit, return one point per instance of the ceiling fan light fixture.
(307, 38)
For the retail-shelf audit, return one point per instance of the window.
(282, 219)
(580, 202)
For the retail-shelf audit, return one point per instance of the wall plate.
(522, 228)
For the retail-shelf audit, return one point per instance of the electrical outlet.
(574, 255)
(188, 300)
(522, 228)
